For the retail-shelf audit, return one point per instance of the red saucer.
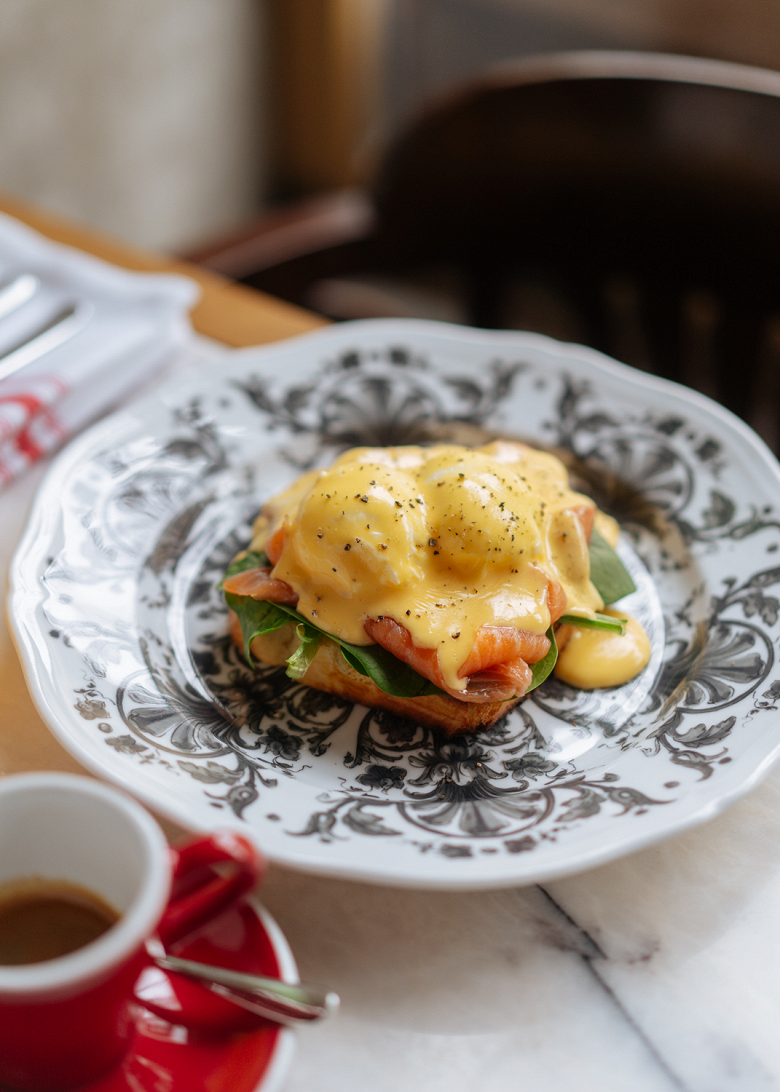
(167, 1057)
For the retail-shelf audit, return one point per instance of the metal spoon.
(279, 1001)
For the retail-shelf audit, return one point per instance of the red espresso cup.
(65, 1021)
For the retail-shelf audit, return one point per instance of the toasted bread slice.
(329, 671)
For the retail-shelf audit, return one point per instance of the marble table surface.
(660, 971)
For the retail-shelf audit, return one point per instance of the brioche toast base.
(329, 671)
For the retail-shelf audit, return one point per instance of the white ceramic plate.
(122, 631)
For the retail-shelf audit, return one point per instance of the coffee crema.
(43, 919)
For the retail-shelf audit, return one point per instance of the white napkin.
(126, 326)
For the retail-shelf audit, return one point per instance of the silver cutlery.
(281, 1002)
(17, 292)
(65, 324)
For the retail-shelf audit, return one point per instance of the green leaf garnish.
(601, 621)
(542, 668)
(298, 663)
(608, 574)
(257, 616)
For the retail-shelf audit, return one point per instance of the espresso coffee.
(43, 919)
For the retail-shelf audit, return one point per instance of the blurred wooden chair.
(628, 201)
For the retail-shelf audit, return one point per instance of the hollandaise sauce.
(443, 542)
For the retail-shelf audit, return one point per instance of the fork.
(61, 328)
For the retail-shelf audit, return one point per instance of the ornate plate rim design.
(753, 461)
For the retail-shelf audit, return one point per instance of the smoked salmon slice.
(259, 584)
(556, 602)
(397, 639)
(503, 645)
(499, 683)
(275, 543)
(499, 671)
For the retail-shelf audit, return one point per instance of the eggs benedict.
(439, 582)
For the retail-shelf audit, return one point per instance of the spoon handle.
(282, 1002)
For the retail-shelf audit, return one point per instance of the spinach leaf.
(257, 616)
(607, 572)
(387, 671)
(601, 621)
(542, 668)
(298, 663)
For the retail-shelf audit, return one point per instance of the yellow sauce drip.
(443, 539)
(594, 659)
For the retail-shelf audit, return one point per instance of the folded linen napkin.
(76, 336)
